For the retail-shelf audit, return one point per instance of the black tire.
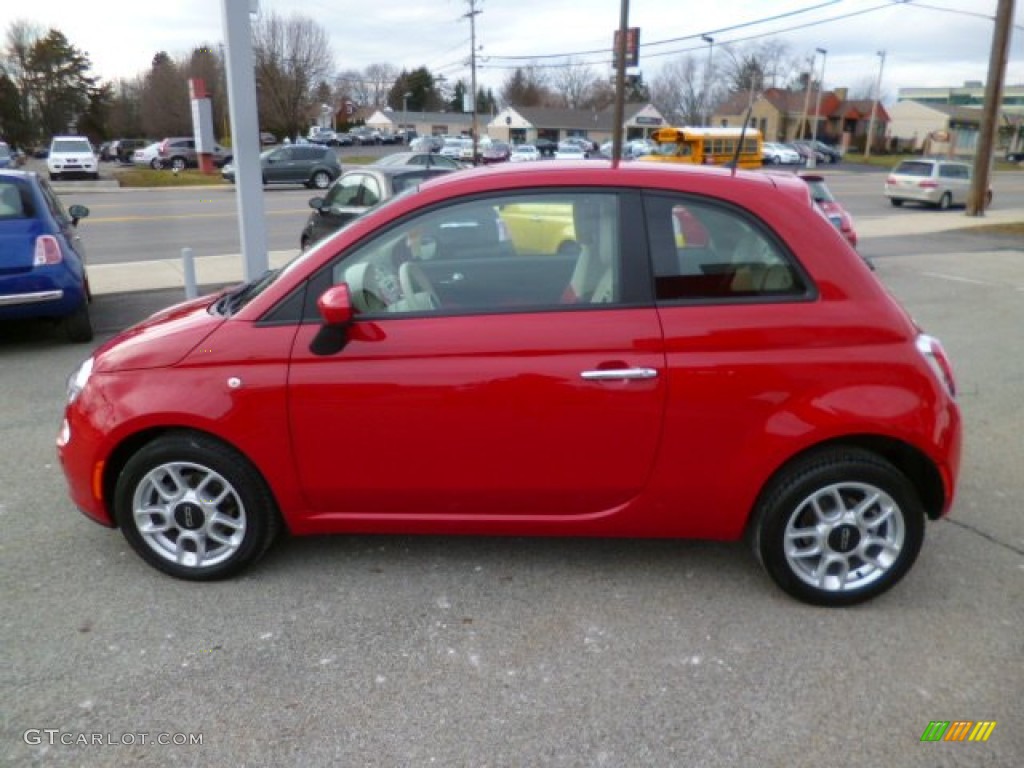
(320, 180)
(817, 495)
(896, 202)
(78, 325)
(54, 177)
(178, 164)
(185, 464)
(156, 164)
(945, 202)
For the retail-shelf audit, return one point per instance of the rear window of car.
(70, 145)
(914, 168)
(12, 200)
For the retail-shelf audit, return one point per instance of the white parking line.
(958, 279)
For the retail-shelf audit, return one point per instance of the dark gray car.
(308, 164)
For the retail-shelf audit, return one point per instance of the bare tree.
(292, 56)
(677, 91)
(756, 66)
(165, 104)
(380, 78)
(573, 83)
(350, 84)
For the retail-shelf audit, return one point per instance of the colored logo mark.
(958, 730)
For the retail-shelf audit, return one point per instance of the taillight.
(933, 353)
(890, 180)
(927, 184)
(47, 251)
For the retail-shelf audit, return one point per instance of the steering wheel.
(414, 281)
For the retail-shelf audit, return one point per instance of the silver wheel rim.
(844, 537)
(321, 180)
(189, 515)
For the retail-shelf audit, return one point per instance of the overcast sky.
(925, 46)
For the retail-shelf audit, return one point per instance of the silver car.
(934, 182)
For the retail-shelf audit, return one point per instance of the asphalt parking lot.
(405, 651)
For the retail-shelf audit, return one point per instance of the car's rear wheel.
(321, 180)
(838, 527)
(945, 201)
(194, 508)
(78, 325)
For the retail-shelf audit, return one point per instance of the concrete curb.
(169, 273)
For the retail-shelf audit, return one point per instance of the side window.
(703, 250)
(346, 191)
(53, 203)
(505, 254)
(371, 192)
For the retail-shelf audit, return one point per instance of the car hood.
(162, 339)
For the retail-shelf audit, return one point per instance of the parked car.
(761, 384)
(568, 150)
(806, 153)
(104, 153)
(148, 156)
(122, 150)
(424, 159)
(42, 258)
(495, 152)
(72, 156)
(179, 153)
(7, 159)
(355, 192)
(267, 139)
(835, 212)
(935, 182)
(824, 152)
(546, 147)
(309, 164)
(327, 138)
(426, 144)
(524, 153)
(774, 153)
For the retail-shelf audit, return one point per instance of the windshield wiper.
(235, 299)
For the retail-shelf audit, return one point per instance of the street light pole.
(405, 118)
(812, 160)
(707, 79)
(874, 107)
(473, 12)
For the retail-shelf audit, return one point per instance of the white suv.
(72, 156)
(939, 183)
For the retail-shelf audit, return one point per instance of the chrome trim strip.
(39, 297)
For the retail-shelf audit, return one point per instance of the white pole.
(245, 137)
(188, 265)
(874, 107)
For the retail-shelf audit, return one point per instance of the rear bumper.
(53, 291)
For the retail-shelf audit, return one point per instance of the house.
(785, 115)
(527, 124)
(934, 128)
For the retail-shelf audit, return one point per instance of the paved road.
(404, 651)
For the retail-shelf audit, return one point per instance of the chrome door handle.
(619, 373)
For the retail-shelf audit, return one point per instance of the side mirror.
(316, 203)
(335, 305)
(77, 212)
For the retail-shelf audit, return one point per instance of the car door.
(279, 166)
(499, 410)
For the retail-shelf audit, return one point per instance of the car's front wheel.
(156, 164)
(838, 527)
(178, 164)
(194, 508)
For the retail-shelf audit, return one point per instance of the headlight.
(78, 380)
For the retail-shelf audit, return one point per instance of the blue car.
(42, 261)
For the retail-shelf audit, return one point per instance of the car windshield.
(71, 145)
(914, 168)
(819, 191)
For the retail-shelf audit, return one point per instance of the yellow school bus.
(706, 146)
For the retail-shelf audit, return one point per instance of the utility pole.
(802, 129)
(874, 108)
(471, 15)
(620, 83)
(993, 104)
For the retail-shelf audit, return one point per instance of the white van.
(72, 156)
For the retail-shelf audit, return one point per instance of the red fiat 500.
(436, 368)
